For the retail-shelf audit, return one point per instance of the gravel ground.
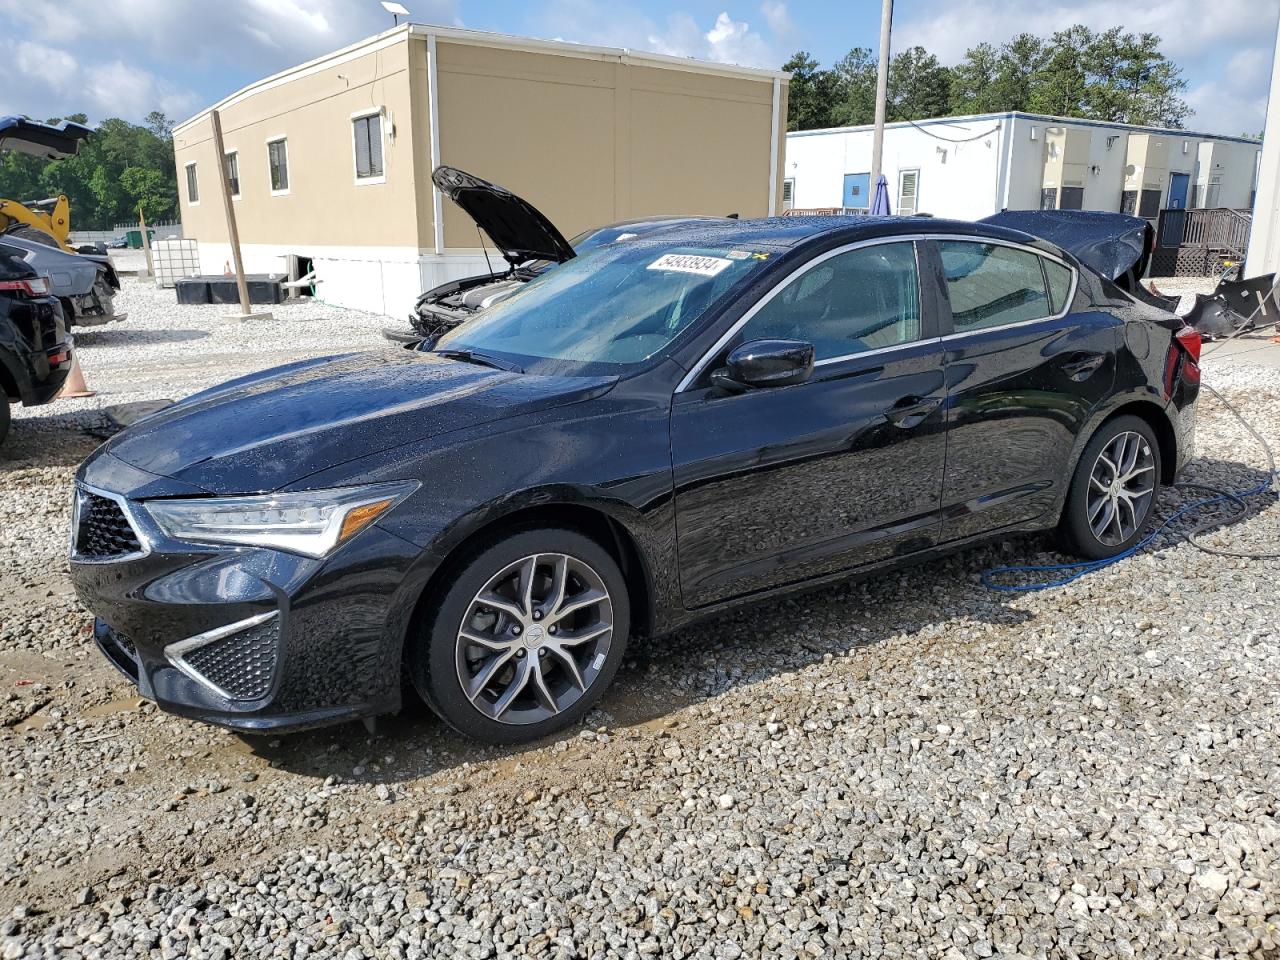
(907, 766)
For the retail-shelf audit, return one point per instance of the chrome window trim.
(174, 652)
(914, 238)
(143, 540)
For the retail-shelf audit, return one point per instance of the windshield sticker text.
(691, 263)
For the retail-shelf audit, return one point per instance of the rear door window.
(990, 285)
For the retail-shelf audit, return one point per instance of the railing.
(1216, 228)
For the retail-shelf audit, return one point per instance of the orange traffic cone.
(74, 386)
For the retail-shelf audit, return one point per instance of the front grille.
(241, 665)
(103, 531)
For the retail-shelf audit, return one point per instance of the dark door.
(1023, 374)
(779, 485)
(1178, 184)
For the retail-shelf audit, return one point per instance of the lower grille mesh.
(104, 530)
(242, 664)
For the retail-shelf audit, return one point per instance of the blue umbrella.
(880, 204)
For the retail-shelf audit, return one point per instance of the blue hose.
(1089, 566)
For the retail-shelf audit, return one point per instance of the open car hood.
(39, 139)
(1113, 244)
(516, 227)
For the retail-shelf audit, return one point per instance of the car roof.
(794, 231)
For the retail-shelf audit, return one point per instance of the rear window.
(990, 285)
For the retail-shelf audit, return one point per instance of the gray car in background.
(85, 283)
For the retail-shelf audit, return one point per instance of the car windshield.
(617, 305)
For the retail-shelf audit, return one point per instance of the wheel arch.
(593, 520)
(1154, 416)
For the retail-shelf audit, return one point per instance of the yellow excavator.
(44, 221)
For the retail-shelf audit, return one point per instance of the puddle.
(112, 707)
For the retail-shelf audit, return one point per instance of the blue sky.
(126, 57)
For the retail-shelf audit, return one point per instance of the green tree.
(855, 75)
(812, 94)
(121, 166)
(919, 86)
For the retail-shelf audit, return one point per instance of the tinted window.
(991, 285)
(860, 300)
(618, 304)
(1059, 284)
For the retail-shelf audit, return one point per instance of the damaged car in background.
(82, 278)
(528, 241)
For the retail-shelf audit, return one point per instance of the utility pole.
(246, 312)
(882, 94)
(146, 242)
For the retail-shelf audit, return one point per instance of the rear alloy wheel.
(527, 637)
(1113, 493)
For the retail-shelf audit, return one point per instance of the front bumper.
(253, 639)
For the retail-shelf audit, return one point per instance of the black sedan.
(651, 432)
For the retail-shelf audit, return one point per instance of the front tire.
(1113, 492)
(525, 638)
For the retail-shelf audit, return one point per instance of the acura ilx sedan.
(654, 430)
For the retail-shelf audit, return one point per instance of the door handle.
(1083, 365)
(912, 411)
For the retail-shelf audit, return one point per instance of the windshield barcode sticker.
(691, 263)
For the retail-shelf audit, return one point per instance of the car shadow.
(52, 439)
(116, 335)
(752, 644)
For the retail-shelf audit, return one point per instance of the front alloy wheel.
(525, 638)
(534, 638)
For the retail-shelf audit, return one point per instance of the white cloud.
(127, 57)
(725, 39)
(776, 16)
(1207, 44)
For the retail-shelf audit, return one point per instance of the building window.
(368, 137)
(1149, 204)
(788, 194)
(1071, 198)
(908, 192)
(278, 163)
(233, 172)
(1214, 188)
(193, 188)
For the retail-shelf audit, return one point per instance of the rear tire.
(1113, 492)
(540, 655)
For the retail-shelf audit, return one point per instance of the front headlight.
(311, 522)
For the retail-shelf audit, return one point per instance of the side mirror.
(765, 363)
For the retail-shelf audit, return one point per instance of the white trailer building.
(973, 166)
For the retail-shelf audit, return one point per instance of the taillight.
(1189, 339)
(34, 287)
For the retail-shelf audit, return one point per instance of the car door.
(1024, 370)
(783, 484)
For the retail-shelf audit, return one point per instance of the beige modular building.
(331, 161)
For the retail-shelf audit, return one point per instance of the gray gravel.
(908, 766)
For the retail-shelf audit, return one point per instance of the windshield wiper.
(481, 359)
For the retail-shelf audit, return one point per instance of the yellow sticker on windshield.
(691, 263)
